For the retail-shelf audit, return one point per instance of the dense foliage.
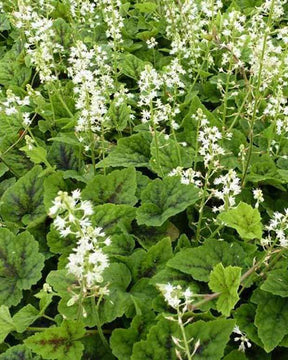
(144, 171)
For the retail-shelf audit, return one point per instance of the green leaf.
(118, 187)
(119, 116)
(3, 169)
(170, 154)
(244, 219)
(45, 299)
(271, 319)
(62, 282)
(113, 218)
(58, 343)
(276, 283)
(156, 257)
(235, 355)
(164, 198)
(18, 352)
(12, 69)
(146, 264)
(199, 261)
(6, 323)
(20, 265)
(118, 301)
(146, 7)
(37, 154)
(131, 151)
(122, 340)
(22, 203)
(25, 317)
(52, 184)
(225, 281)
(159, 343)
(213, 336)
(63, 156)
(245, 316)
(18, 163)
(63, 33)
(131, 66)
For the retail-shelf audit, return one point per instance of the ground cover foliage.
(144, 170)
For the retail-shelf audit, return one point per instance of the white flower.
(258, 196)
(87, 207)
(244, 341)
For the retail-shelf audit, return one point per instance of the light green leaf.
(159, 343)
(58, 343)
(20, 265)
(244, 219)
(130, 151)
(22, 203)
(225, 281)
(36, 154)
(118, 187)
(45, 299)
(276, 283)
(6, 323)
(25, 317)
(271, 319)
(164, 198)
(146, 7)
(199, 261)
(213, 336)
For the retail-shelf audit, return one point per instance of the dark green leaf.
(20, 265)
(276, 283)
(199, 261)
(22, 203)
(118, 187)
(271, 319)
(164, 198)
(131, 151)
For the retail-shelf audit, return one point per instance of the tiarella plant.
(143, 179)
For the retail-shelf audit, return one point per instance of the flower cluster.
(92, 77)
(40, 38)
(278, 225)
(175, 296)
(208, 137)
(230, 183)
(13, 105)
(188, 176)
(151, 84)
(113, 19)
(88, 261)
